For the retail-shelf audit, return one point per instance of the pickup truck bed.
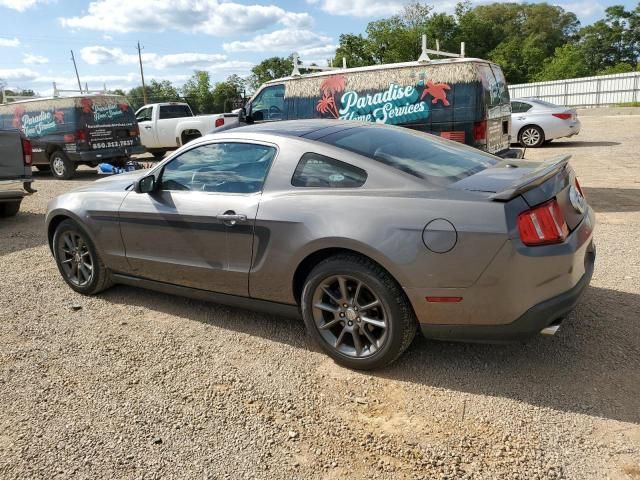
(15, 171)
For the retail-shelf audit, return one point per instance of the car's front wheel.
(531, 136)
(357, 312)
(78, 259)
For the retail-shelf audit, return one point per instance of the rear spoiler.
(544, 172)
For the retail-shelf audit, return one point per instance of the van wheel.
(61, 167)
(531, 136)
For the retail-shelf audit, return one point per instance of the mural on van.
(36, 123)
(394, 105)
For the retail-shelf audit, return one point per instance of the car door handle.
(147, 127)
(231, 218)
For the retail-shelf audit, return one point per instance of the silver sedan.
(366, 231)
(536, 122)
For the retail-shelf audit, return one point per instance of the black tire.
(548, 141)
(61, 167)
(394, 311)
(531, 136)
(100, 278)
(9, 209)
(43, 168)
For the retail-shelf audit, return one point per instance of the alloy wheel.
(531, 136)
(350, 316)
(75, 258)
(58, 166)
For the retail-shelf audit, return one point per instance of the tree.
(225, 93)
(612, 40)
(270, 69)
(157, 91)
(197, 92)
(567, 61)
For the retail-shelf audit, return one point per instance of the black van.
(462, 99)
(67, 131)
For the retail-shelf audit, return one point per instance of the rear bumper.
(15, 189)
(521, 291)
(105, 154)
(528, 324)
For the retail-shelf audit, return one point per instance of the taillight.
(27, 152)
(81, 135)
(135, 131)
(69, 137)
(480, 130)
(563, 116)
(543, 224)
(219, 122)
(579, 187)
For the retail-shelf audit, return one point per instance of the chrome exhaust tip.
(550, 330)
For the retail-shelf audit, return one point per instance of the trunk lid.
(536, 182)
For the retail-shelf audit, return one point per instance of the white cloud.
(9, 42)
(30, 59)
(361, 8)
(108, 38)
(18, 74)
(205, 16)
(325, 50)
(583, 8)
(286, 40)
(99, 55)
(19, 5)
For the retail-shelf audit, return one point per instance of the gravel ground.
(136, 384)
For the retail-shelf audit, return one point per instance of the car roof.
(310, 129)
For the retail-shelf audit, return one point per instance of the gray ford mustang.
(367, 231)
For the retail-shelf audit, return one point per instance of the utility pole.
(76, 69)
(144, 90)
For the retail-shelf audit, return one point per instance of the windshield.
(422, 155)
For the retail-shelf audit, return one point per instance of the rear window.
(425, 156)
(174, 111)
(543, 103)
(316, 170)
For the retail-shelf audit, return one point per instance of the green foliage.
(157, 91)
(567, 61)
(530, 41)
(197, 92)
(270, 69)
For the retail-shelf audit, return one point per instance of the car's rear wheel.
(531, 136)
(9, 209)
(61, 167)
(357, 312)
(78, 260)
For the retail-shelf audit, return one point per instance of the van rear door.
(497, 108)
(106, 122)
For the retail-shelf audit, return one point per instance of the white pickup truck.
(167, 126)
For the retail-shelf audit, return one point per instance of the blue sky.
(178, 36)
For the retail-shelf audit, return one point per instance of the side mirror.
(145, 184)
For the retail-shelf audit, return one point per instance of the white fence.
(584, 92)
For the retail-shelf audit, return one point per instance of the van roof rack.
(297, 64)
(56, 94)
(424, 56)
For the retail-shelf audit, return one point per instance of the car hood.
(115, 182)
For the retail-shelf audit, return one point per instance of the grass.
(628, 104)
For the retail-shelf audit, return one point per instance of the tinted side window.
(269, 104)
(219, 167)
(174, 111)
(144, 115)
(490, 85)
(520, 107)
(316, 170)
(501, 83)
